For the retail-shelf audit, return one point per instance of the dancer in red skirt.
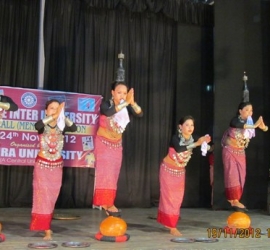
(172, 173)
(234, 142)
(48, 168)
(114, 117)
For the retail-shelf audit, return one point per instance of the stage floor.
(145, 232)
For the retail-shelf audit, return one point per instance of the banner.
(19, 141)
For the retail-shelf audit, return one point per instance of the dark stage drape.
(19, 42)
(245, 47)
(18, 67)
(160, 40)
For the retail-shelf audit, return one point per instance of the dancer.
(48, 166)
(234, 142)
(172, 173)
(114, 117)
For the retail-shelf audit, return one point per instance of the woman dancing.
(48, 166)
(234, 141)
(172, 173)
(114, 117)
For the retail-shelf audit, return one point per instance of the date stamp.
(242, 233)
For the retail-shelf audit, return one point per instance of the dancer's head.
(245, 110)
(119, 92)
(51, 107)
(186, 125)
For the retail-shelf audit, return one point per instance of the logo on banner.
(86, 104)
(29, 100)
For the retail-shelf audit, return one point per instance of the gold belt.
(174, 172)
(49, 165)
(112, 144)
(235, 151)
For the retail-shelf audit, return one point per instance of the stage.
(145, 232)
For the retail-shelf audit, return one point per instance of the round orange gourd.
(238, 220)
(113, 226)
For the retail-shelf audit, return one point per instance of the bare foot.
(113, 208)
(175, 232)
(236, 203)
(48, 235)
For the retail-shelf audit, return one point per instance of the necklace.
(241, 119)
(185, 142)
(52, 143)
(53, 127)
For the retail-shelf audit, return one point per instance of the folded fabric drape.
(184, 11)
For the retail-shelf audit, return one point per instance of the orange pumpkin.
(113, 226)
(238, 220)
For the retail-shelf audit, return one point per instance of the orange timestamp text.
(243, 233)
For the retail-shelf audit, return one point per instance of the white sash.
(250, 132)
(61, 120)
(122, 118)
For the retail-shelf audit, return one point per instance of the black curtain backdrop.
(242, 44)
(168, 47)
(19, 25)
(195, 65)
(19, 21)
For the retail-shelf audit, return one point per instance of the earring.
(111, 101)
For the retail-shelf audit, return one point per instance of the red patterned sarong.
(172, 188)
(47, 182)
(108, 165)
(234, 162)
